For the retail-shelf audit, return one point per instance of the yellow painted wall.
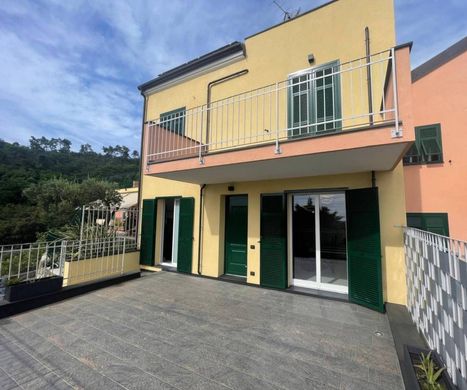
(213, 242)
(153, 187)
(98, 268)
(392, 216)
(333, 32)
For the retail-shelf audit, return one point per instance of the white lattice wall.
(437, 296)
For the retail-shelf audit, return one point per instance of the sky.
(70, 69)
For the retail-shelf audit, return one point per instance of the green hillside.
(25, 170)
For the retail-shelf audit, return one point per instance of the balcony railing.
(327, 99)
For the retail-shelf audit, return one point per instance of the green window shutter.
(431, 222)
(413, 155)
(427, 148)
(174, 120)
(430, 143)
(148, 231)
(273, 246)
(185, 235)
(364, 248)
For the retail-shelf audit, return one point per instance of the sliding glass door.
(319, 242)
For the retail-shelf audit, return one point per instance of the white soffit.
(378, 158)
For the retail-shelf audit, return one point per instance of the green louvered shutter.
(431, 222)
(273, 246)
(148, 230)
(364, 248)
(185, 235)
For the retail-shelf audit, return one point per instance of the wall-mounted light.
(311, 58)
(231, 188)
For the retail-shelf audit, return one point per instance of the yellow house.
(277, 161)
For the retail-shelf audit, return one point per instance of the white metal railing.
(24, 262)
(437, 296)
(98, 222)
(321, 100)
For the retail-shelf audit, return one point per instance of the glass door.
(319, 241)
(170, 231)
(175, 231)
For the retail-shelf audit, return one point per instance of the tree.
(109, 151)
(86, 149)
(23, 167)
(50, 145)
(134, 154)
(65, 145)
(57, 199)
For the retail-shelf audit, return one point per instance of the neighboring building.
(129, 196)
(278, 160)
(436, 165)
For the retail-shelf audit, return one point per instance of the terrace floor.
(172, 331)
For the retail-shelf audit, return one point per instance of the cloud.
(70, 68)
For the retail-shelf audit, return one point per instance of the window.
(174, 120)
(314, 101)
(427, 148)
(431, 222)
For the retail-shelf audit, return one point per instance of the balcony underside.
(342, 153)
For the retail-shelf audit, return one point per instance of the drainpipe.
(373, 179)
(200, 231)
(140, 182)
(210, 85)
(368, 73)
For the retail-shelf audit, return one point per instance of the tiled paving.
(172, 331)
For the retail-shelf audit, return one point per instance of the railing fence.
(100, 222)
(437, 296)
(106, 233)
(311, 102)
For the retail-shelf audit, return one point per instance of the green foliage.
(429, 373)
(42, 185)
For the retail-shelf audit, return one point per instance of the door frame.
(226, 197)
(162, 231)
(316, 285)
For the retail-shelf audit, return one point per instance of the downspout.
(373, 179)
(368, 74)
(140, 182)
(208, 104)
(200, 231)
(208, 120)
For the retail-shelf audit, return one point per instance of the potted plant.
(17, 289)
(428, 372)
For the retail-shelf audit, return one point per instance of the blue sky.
(70, 68)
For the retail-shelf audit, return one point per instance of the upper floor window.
(427, 147)
(431, 222)
(314, 101)
(174, 120)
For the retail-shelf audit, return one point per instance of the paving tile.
(167, 330)
(6, 382)
(47, 381)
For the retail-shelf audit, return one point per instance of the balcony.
(334, 118)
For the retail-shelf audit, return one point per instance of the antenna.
(287, 14)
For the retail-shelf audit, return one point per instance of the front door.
(236, 233)
(319, 241)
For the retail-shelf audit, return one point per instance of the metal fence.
(26, 262)
(437, 296)
(312, 102)
(101, 222)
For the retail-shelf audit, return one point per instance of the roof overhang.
(207, 63)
